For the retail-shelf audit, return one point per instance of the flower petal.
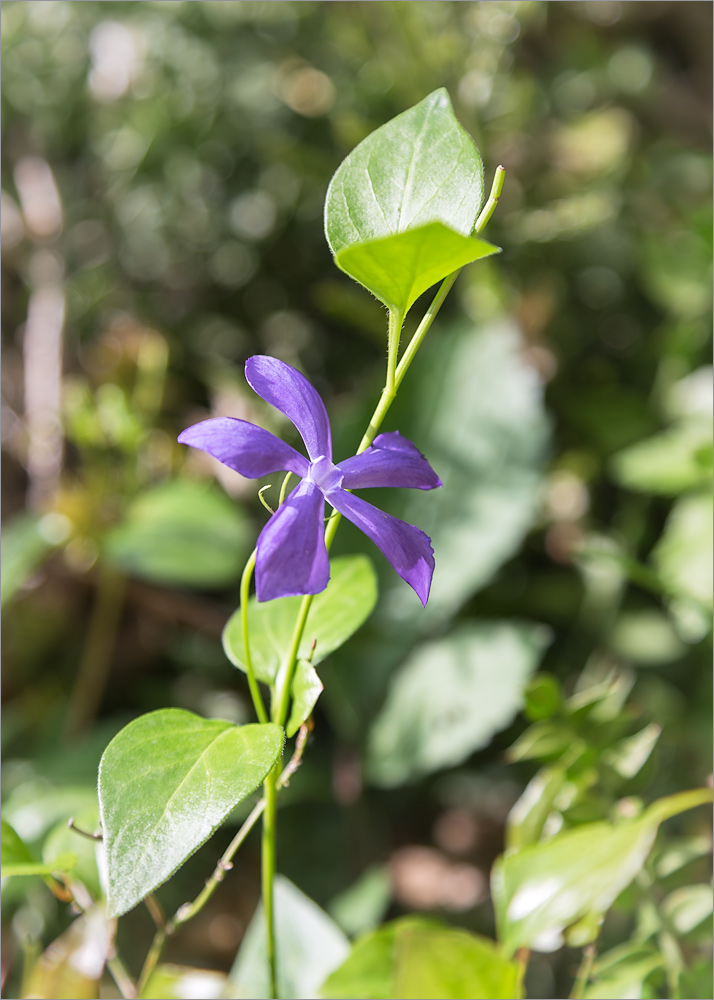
(407, 548)
(292, 557)
(250, 450)
(291, 393)
(391, 460)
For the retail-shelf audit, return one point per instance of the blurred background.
(164, 173)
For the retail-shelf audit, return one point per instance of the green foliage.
(421, 167)
(335, 615)
(309, 946)
(23, 549)
(544, 889)
(166, 782)
(183, 534)
(307, 688)
(400, 268)
(18, 860)
(417, 957)
(478, 411)
(450, 698)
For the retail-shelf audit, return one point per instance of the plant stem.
(98, 648)
(252, 683)
(448, 282)
(268, 875)
(284, 680)
(224, 864)
(122, 978)
(583, 974)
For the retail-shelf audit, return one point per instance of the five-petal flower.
(291, 556)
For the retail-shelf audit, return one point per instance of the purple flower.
(291, 555)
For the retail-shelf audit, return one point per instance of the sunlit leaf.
(309, 945)
(414, 957)
(450, 697)
(181, 982)
(398, 269)
(683, 554)
(543, 889)
(621, 975)
(307, 688)
(72, 966)
(422, 166)
(166, 782)
(527, 817)
(182, 534)
(688, 907)
(334, 616)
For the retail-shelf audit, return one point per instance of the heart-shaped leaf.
(414, 957)
(166, 782)
(335, 615)
(401, 208)
(540, 891)
(422, 166)
(307, 688)
(397, 269)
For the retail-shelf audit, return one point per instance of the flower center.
(324, 474)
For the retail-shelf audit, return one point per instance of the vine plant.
(403, 213)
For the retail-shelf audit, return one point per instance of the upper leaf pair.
(401, 208)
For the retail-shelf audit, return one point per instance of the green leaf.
(667, 463)
(73, 964)
(683, 554)
(166, 782)
(624, 978)
(399, 268)
(309, 945)
(361, 907)
(307, 688)
(179, 982)
(183, 534)
(422, 166)
(61, 840)
(415, 957)
(476, 411)
(334, 616)
(527, 817)
(629, 756)
(17, 859)
(688, 907)
(543, 889)
(450, 697)
(23, 548)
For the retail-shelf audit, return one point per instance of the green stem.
(252, 682)
(448, 282)
(224, 864)
(584, 971)
(284, 680)
(270, 793)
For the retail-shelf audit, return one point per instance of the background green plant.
(561, 397)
